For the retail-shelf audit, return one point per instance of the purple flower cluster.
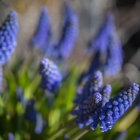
(106, 43)
(33, 116)
(43, 39)
(95, 106)
(91, 97)
(43, 30)
(30, 112)
(114, 58)
(100, 41)
(69, 33)
(8, 36)
(40, 123)
(11, 136)
(50, 75)
(116, 107)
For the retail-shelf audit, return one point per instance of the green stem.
(72, 132)
(57, 134)
(82, 133)
(60, 130)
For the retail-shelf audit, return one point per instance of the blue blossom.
(11, 136)
(91, 85)
(114, 56)
(30, 112)
(40, 123)
(116, 107)
(91, 97)
(43, 30)
(138, 138)
(69, 33)
(100, 41)
(20, 96)
(107, 49)
(95, 106)
(50, 75)
(8, 36)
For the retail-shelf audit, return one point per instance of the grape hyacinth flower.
(43, 30)
(92, 97)
(91, 85)
(20, 96)
(108, 49)
(40, 122)
(69, 33)
(116, 107)
(114, 56)
(95, 106)
(138, 138)
(11, 136)
(50, 75)
(100, 41)
(8, 36)
(30, 113)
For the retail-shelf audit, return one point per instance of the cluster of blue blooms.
(43, 36)
(43, 30)
(50, 75)
(94, 105)
(69, 33)
(8, 39)
(106, 43)
(11, 136)
(30, 112)
(8, 36)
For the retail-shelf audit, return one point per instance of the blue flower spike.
(11, 136)
(69, 32)
(94, 105)
(116, 107)
(40, 123)
(8, 37)
(100, 41)
(114, 58)
(43, 30)
(30, 113)
(108, 49)
(50, 75)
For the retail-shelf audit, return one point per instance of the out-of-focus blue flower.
(100, 41)
(20, 96)
(30, 113)
(106, 44)
(8, 36)
(114, 58)
(138, 138)
(1, 75)
(50, 75)
(116, 107)
(43, 30)
(69, 33)
(40, 122)
(11, 136)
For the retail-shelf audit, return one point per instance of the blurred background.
(91, 14)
